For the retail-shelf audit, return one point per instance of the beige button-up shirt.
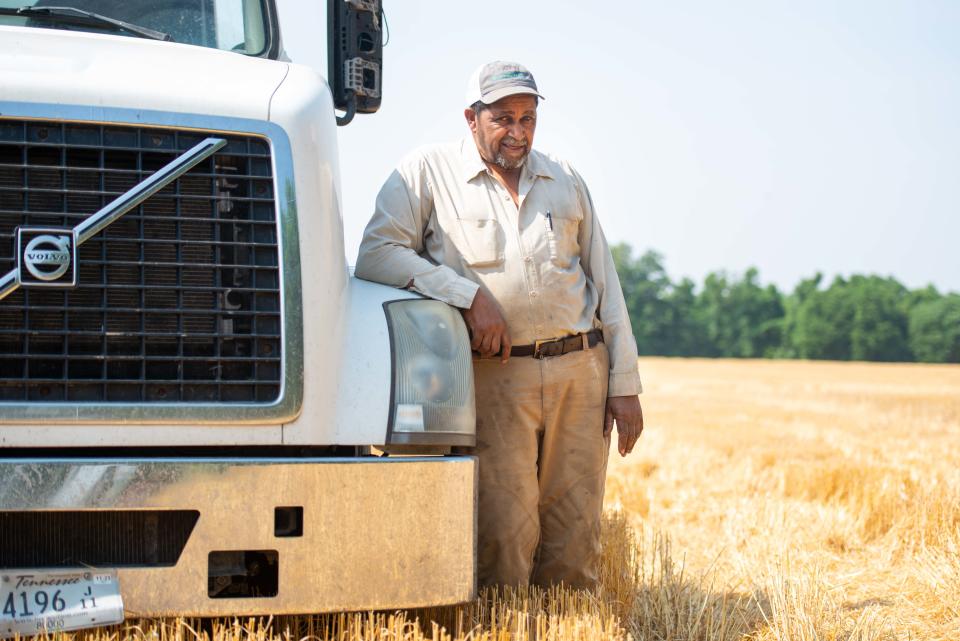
(446, 224)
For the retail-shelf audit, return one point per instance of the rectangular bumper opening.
(94, 538)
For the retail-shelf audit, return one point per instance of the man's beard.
(503, 163)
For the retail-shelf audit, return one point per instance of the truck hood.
(118, 71)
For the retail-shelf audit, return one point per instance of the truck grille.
(178, 301)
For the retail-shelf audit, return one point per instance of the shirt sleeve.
(392, 248)
(597, 263)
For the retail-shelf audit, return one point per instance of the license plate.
(33, 601)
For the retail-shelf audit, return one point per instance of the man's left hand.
(626, 411)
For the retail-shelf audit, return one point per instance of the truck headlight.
(432, 401)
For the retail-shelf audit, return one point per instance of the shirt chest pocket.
(563, 232)
(480, 241)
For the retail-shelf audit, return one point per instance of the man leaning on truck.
(509, 235)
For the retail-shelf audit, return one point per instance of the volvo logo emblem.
(47, 257)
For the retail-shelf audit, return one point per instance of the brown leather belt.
(559, 346)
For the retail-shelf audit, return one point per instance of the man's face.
(504, 130)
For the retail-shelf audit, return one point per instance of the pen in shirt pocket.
(549, 218)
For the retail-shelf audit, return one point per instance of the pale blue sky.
(792, 136)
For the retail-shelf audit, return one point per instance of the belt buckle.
(536, 349)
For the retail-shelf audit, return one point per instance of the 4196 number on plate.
(36, 601)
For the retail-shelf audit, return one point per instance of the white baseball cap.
(498, 79)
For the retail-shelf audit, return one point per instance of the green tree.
(917, 296)
(791, 335)
(934, 330)
(645, 283)
(688, 336)
(879, 331)
(663, 315)
(863, 318)
(823, 321)
(741, 318)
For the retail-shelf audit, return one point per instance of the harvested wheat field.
(766, 500)
(823, 497)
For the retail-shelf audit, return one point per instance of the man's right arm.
(393, 241)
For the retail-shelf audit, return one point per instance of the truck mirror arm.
(351, 111)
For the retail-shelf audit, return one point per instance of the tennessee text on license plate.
(32, 601)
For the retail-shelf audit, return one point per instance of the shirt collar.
(473, 164)
(538, 166)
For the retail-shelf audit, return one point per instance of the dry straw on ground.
(785, 501)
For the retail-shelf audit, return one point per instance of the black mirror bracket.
(355, 60)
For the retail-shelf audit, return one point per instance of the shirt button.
(533, 294)
(529, 259)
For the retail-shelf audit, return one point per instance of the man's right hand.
(487, 327)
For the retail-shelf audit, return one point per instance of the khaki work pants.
(543, 459)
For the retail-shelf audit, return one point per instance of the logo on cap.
(46, 257)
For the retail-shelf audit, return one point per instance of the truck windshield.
(231, 25)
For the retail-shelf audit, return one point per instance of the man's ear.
(471, 117)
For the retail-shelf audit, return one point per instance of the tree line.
(863, 318)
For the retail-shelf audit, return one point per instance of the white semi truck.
(195, 394)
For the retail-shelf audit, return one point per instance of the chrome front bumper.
(378, 533)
